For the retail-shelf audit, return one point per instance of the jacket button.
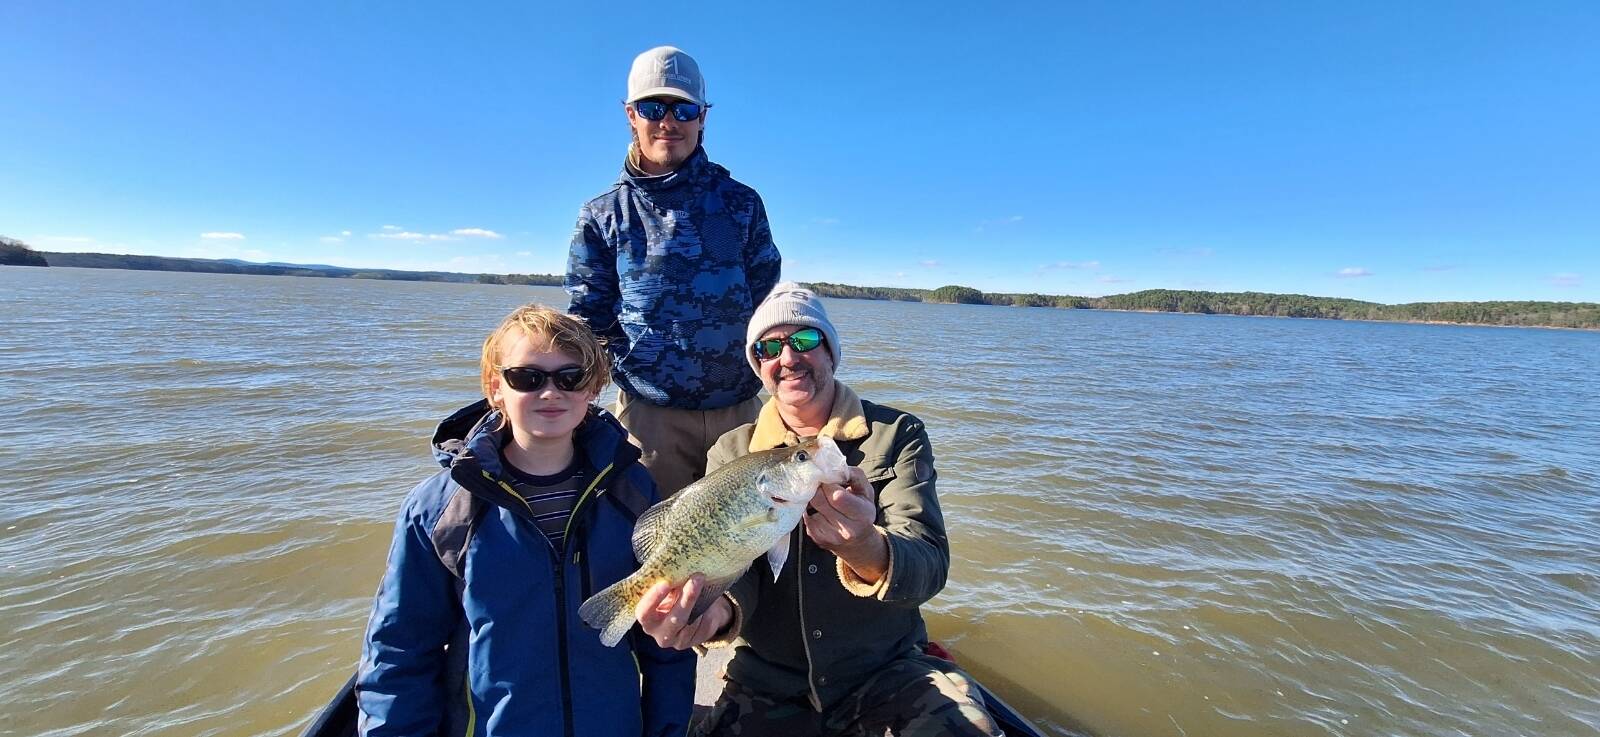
(812, 568)
(816, 634)
(822, 680)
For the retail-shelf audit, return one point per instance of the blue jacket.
(469, 569)
(667, 270)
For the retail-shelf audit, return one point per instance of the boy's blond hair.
(560, 332)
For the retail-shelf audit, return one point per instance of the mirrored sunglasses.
(804, 340)
(681, 111)
(531, 379)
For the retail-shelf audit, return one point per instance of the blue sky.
(1385, 151)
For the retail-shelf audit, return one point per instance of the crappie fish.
(718, 526)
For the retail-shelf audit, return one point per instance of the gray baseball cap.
(666, 70)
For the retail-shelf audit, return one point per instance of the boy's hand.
(663, 613)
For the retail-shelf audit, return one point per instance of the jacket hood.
(469, 434)
(696, 167)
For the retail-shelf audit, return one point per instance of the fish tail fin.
(611, 610)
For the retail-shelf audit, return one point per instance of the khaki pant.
(674, 441)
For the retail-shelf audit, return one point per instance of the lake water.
(1161, 524)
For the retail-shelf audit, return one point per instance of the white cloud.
(220, 236)
(396, 233)
(1352, 272)
(1108, 279)
(930, 263)
(1567, 280)
(331, 239)
(406, 235)
(825, 221)
(476, 233)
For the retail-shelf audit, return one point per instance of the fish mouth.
(790, 501)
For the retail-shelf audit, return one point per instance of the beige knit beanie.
(791, 304)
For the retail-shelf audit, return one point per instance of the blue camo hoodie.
(667, 270)
(519, 661)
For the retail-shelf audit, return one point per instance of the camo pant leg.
(919, 696)
(741, 712)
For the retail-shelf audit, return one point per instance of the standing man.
(667, 267)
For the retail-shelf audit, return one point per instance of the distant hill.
(16, 253)
(313, 267)
(236, 266)
(1584, 315)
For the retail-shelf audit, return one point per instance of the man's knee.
(939, 699)
(740, 712)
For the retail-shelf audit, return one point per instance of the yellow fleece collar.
(846, 421)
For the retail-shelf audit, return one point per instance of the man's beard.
(673, 160)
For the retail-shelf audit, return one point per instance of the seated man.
(835, 645)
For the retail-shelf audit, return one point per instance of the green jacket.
(819, 632)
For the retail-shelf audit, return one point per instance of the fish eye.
(801, 456)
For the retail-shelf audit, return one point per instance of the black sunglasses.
(531, 379)
(802, 341)
(682, 111)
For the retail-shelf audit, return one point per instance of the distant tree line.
(846, 291)
(230, 266)
(1527, 314)
(16, 253)
(527, 280)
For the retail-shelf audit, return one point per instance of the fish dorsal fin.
(650, 523)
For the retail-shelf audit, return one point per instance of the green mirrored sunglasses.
(802, 341)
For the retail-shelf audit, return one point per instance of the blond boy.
(475, 628)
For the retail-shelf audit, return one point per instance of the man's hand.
(845, 524)
(663, 613)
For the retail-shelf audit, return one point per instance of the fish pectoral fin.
(778, 555)
(755, 520)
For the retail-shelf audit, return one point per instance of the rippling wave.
(1161, 524)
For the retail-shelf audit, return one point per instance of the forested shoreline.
(1581, 315)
